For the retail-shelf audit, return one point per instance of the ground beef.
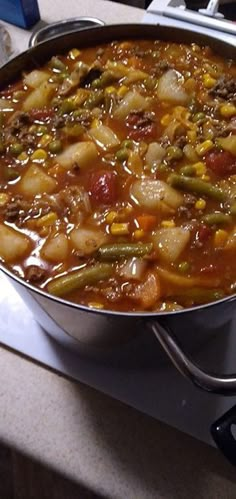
(225, 88)
(59, 121)
(12, 211)
(27, 139)
(35, 274)
(141, 119)
(160, 67)
(181, 142)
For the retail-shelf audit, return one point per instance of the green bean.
(197, 186)
(55, 146)
(66, 107)
(96, 83)
(199, 295)
(61, 286)
(121, 250)
(187, 171)
(57, 64)
(217, 218)
(94, 100)
(174, 152)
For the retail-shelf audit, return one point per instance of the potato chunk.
(132, 101)
(39, 97)
(81, 153)
(156, 195)
(170, 243)
(13, 244)
(104, 137)
(87, 241)
(36, 181)
(56, 248)
(171, 89)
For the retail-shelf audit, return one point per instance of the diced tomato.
(42, 114)
(141, 127)
(203, 234)
(147, 222)
(103, 187)
(222, 163)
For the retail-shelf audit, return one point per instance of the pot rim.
(107, 27)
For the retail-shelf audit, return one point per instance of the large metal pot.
(63, 319)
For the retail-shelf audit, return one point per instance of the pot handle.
(222, 434)
(224, 384)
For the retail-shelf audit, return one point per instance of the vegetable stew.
(118, 176)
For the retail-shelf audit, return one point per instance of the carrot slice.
(147, 222)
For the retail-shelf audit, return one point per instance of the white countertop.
(106, 446)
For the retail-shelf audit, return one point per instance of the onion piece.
(170, 88)
(133, 269)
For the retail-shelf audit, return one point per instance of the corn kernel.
(3, 198)
(200, 204)
(119, 229)
(228, 110)
(192, 135)
(204, 147)
(110, 90)
(165, 120)
(39, 156)
(168, 224)
(47, 220)
(95, 123)
(208, 81)
(220, 238)
(94, 304)
(200, 168)
(44, 140)
(23, 157)
(122, 90)
(138, 234)
(111, 216)
(74, 53)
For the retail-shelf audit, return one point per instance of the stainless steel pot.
(62, 319)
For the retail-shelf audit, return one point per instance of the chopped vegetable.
(72, 281)
(122, 250)
(80, 153)
(197, 186)
(155, 194)
(171, 89)
(170, 243)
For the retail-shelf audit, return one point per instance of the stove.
(138, 373)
